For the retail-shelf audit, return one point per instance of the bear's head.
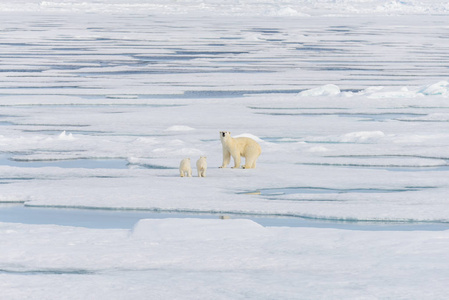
(224, 134)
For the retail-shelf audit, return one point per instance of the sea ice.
(327, 90)
(220, 259)
(348, 100)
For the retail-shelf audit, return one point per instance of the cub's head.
(224, 134)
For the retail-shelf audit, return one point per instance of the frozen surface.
(100, 100)
(220, 259)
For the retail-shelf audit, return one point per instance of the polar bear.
(201, 166)
(184, 168)
(236, 147)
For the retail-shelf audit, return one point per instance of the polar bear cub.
(201, 166)
(237, 147)
(184, 168)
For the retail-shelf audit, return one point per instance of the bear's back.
(245, 143)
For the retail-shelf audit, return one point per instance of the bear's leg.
(189, 173)
(204, 173)
(250, 162)
(254, 162)
(181, 173)
(236, 157)
(226, 158)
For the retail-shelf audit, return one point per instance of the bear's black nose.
(223, 134)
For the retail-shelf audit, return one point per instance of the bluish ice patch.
(417, 169)
(321, 190)
(48, 271)
(126, 219)
(6, 123)
(106, 105)
(86, 163)
(402, 164)
(280, 140)
(318, 49)
(147, 58)
(81, 132)
(389, 167)
(377, 117)
(164, 71)
(265, 30)
(383, 116)
(199, 54)
(43, 87)
(326, 142)
(15, 44)
(297, 108)
(423, 121)
(236, 93)
(151, 166)
(4, 70)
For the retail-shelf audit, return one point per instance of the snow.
(221, 259)
(440, 88)
(100, 100)
(326, 90)
(179, 128)
(279, 8)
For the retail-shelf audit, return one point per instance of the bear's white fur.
(184, 168)
(237, 147)
(201, 166)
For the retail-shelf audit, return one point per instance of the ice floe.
(349, 100)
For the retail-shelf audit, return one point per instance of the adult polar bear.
(240, 146)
